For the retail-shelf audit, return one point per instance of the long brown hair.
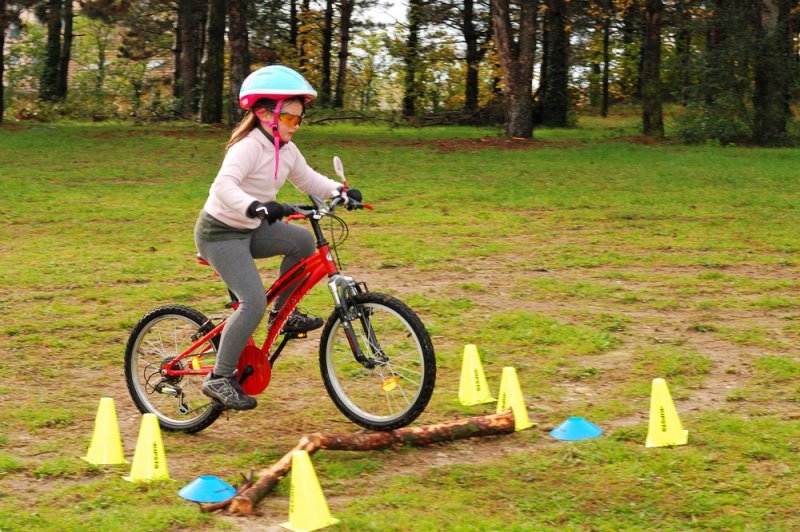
(250, 120)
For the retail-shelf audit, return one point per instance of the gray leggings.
(233, 260)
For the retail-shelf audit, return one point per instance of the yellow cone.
(665, 426)
(511, 397)
(149, 459)
(106, 445)
(307, 507)
(473, 389)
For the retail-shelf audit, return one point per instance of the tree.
(607, 7)
(327, 46)
(302, 45)
(49, 81)
(346, 13)
(652, 114)
(365, 69)
(214, 65)
(8, 15)
(411, 88)
(294, 23)
(719, 107)
(66, 51)
(148, 40)
(188, 51)
(239, 65)
(683, 46)
(476, 37)
(516, 61)
(5, 17)
(773, 72)
(554, 93)
(472, 18)
(587, 27)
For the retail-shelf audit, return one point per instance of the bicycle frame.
(299, 280)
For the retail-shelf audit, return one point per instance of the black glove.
(271, 211)
(355, 195)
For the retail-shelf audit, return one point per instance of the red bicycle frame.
(304, 276)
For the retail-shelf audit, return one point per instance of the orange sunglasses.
(291, 119)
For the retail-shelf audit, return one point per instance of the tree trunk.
(516, 61)
(683, 49)
(652, 114)
(344, 43)
(473, 58)
(411, 85)
(294, 22)
(545, 57)
(327, 47)
(214, 65)
(66, 52)
(773, 73)
(491, 425)
(239, 65)
(188, 51)
(606, 65)
(555, 94)
(48, 83)
(3, 26)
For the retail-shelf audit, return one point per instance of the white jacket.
(248, 174)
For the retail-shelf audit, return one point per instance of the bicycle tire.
(397, 389)
(162, 333)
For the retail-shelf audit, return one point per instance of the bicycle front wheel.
(160, 336)
(393, 384)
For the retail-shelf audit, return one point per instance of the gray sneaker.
(228, 391)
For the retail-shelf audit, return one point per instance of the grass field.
(590, 261)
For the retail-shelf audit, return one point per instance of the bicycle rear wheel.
(160, 336)
(393, 386)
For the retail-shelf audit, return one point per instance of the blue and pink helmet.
(275, 82)
(278, 83)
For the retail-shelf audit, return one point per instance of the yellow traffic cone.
(307, 507)
(473, 389)
(511, 397)
(106, 445)
(149, 459)
(665, 425)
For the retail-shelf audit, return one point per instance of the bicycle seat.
(202, 261)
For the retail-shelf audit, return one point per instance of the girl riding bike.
(237, 223)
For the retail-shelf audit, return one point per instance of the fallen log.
(245, 501)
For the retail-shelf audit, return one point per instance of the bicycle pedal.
(295, 335)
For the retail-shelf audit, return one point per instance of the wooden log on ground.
(490, 425)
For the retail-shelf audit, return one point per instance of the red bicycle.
(375, 355)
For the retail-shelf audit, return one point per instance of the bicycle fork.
(342, 289)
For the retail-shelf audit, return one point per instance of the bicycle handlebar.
(320, 207)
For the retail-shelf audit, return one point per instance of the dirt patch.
(495, 143)
(472, 144)
(647, 141)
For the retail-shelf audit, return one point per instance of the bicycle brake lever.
(295, 216)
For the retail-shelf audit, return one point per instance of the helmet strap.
(276, 135)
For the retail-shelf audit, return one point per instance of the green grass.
(586, 260)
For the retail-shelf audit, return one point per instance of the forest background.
(728, 68)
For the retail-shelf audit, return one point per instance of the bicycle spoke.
(176, 399)
(392, 388)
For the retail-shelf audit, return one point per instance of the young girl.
(238, 222)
